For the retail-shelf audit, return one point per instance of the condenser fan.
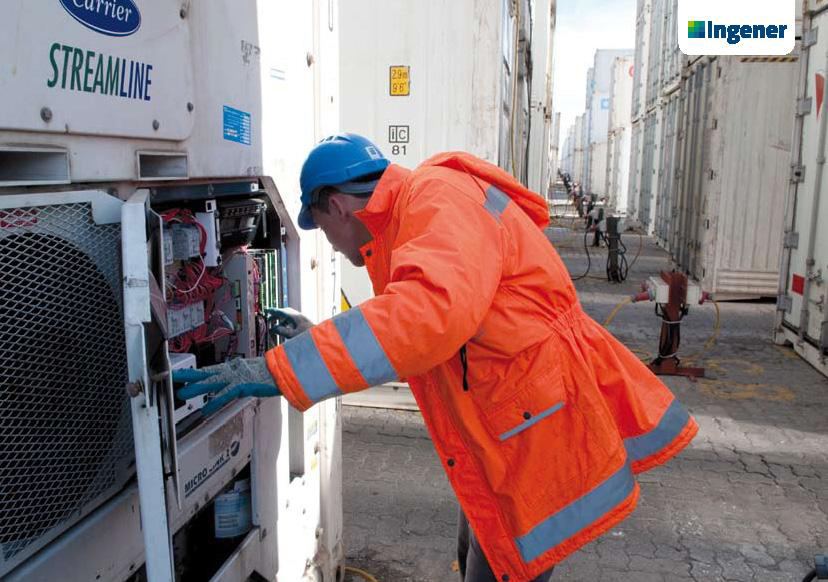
(65, 429)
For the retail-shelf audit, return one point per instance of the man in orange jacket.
(539, 416)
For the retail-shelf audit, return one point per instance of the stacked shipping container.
(618, 137)
(637, 115)
(712, 169)
(802, 315)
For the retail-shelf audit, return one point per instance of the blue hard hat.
(337, 160)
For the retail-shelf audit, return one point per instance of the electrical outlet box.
(661, 291)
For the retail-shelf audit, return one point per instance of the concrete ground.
(746, 501)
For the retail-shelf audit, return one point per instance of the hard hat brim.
(306, 221)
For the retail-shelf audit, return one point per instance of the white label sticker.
(736, 27)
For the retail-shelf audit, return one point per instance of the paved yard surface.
(747, 501)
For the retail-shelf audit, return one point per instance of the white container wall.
(668, 175)
(673, 60)
(655, 48)
(734, 173)
(476, 101)
(598, 172)
(619, 136)
(554, 152)
(643, 21)
(802, 319)
(578, 151)
(190, 134)
(465, 102)
(650, 166)
(538, 172)
(636, 167)
(599, 100)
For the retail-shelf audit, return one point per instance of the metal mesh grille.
(65, 428)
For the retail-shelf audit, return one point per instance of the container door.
(805, 286)
(145, 401)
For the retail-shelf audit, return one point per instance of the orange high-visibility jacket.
(539, 416)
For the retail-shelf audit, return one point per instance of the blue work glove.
(286, 322)
(238, 378)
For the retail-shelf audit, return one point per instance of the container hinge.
(784, 303)
(810, 37)
(791, 240)
(803, 106)
(797, 173)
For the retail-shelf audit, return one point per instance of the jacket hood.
(531, 203)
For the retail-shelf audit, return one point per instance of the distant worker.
(578, 199)
(596, 221)
(539, 416)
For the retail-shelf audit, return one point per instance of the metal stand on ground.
(613, 238)
(667, 363)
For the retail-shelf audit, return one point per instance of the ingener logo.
(733, 33)
(736, 27)
(110, 17)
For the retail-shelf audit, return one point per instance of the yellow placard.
(400, 81)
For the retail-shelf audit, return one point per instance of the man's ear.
(337, 207)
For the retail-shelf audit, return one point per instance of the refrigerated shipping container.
(668, 170)
(802, 304)
(643, 21)
(578, 152)
(598, 168)
(672, 59)
(599, 99)
(737, 122)
(450, 76)
(619, 135)
(650, 165)
(198, 113)
(636, 167)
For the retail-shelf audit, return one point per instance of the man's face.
(342, 229)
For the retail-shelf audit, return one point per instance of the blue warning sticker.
(236, 125)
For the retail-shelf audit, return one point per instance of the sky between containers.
(582, 27)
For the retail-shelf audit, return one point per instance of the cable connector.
(646, 293)
(642, 296)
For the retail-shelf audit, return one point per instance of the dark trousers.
(473, 564)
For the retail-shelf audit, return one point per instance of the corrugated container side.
(598, 168)
(674, 59)
(665, 202)
(697, 157)
(735, 169)
(649, 170)
(655, 50)
(618, 171)
(642, 55)
(636, 159)
(618, 141)
(801, 318)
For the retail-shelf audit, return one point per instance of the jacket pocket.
(538, 401)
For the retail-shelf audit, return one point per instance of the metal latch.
(791, 240)
(810, 37)
(784, 303)
(803, 106)
(797, 173)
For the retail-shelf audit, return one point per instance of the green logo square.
(695, 29)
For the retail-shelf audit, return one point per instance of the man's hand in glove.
(287, 322)
(237, 378)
